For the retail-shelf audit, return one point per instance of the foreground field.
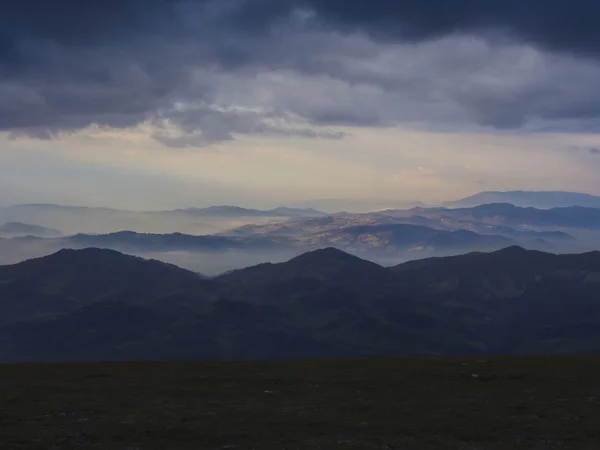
(512, 403)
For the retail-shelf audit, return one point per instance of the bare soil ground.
(405, 403)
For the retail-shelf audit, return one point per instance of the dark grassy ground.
(515, 403)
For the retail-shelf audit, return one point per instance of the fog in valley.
(74, 219)
(218, 239)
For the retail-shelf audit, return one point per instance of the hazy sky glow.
(263, 102)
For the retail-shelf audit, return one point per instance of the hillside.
(65, 282)
(102, 305)
(323, 267)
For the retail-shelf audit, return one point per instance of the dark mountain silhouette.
(323, 267)
(102, 305)
(537, 199)
(69, 279)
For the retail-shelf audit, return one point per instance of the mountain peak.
(81, 258)
(326, 255)
(90, 251)
(328, 265)
(83, 263)
(512, 250)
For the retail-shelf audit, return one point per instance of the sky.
(169, 103)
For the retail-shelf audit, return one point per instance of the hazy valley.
(217, 239)
(343, 284)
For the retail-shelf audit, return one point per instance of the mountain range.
(236, 211)
(94, 304)
(393, 238)
(222, 211)
(18, 229)
(384, 243)
(81, 219)
(217, 219)
(387, 236)
(536, 199)
(494, 218)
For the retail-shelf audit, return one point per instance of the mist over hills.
(387, 236)
(17, 229)
(81, 219)
(506, 214)
(216, 219)
(236, 211)
(95, 304)
(326, 285)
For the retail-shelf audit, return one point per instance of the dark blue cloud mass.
(67, 64)
(555, 24)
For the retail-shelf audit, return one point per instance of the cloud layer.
(197, 72)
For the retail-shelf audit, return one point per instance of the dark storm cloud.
(570, 26)
(67, 64)
(77, 22)
(202, 125)
(549, 22)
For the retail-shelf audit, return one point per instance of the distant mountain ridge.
(388, 236)
(132, 241)
(361, 239)
(236, 211)
(82, 219)
(222, 210)
(18, 229)
(536, 199)
(499, 214)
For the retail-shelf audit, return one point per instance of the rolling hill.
(102, 305)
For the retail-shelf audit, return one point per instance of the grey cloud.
(201, 125)
(552, 24)
(594, 151)
(139, 81)
(456, 83)
(303, 66)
